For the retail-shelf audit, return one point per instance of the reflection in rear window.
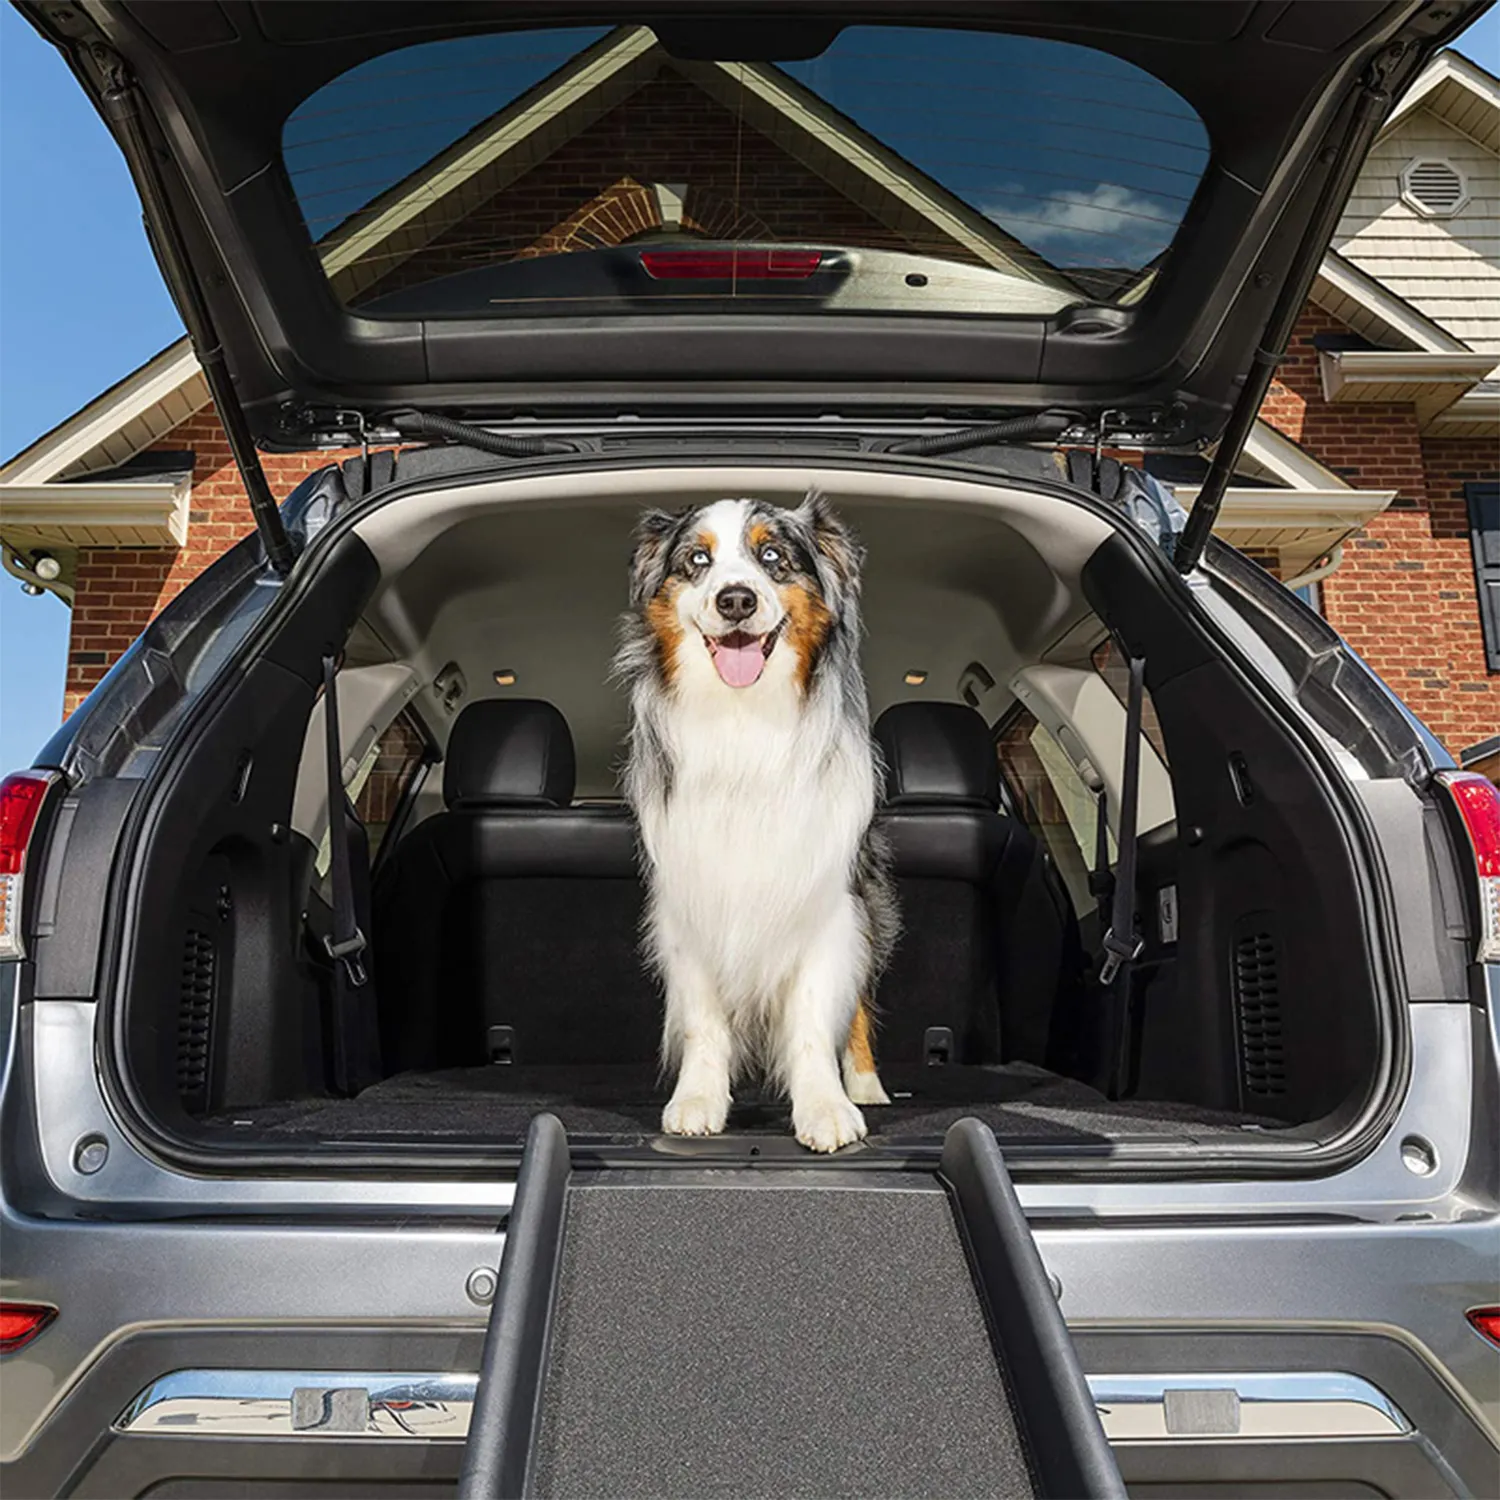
(905, 169)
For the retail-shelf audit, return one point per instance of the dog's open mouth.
(739, 657)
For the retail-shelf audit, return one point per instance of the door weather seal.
(123, 108)
(1373, 105)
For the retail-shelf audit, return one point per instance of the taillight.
(20, 1322)
(21, 798)
(730, 265)
(1477, 802)
(1486, 1321)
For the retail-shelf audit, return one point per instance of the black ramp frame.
(1069, 1452)
(515, 1348)
(1054, 1433)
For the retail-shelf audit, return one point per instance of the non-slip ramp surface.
(780, 1340)
(778, 1331)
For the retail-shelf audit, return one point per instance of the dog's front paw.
(827, 1124)
(695, 1114)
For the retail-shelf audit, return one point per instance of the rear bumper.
(137, 1302)
(1368, 1272)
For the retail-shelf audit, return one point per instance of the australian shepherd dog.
(753, 775)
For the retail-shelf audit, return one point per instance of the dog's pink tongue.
(739, 665)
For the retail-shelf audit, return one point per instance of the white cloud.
(1103, 225)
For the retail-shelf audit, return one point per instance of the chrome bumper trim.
(431, 1406)
(1288, 1404)
(436, 1407)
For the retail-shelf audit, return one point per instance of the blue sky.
(82, 304)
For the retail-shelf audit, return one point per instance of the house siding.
(1448, 268)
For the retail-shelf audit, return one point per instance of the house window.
(1484, 537)
(1434, 187)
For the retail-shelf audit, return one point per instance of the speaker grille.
(195, 1017)
(1258, 992)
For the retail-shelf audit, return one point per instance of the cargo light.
(21, 799)
(20, 1322)
(1477, 802)
(730, 265)
(1486, 1322)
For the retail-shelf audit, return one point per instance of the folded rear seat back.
(989, 946)
(507, 926)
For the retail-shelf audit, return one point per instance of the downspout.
(1318, 572)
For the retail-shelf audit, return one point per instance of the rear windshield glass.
(903, 169)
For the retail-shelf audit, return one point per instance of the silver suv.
(327, 892)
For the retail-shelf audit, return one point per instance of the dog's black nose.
(736, 602)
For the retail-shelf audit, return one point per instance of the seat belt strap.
(345, 943)
(1121, 945)
(1101, 880)
(355, 1045)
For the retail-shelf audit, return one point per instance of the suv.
(1196, 917)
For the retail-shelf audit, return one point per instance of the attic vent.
(1258, 991)
(195, 1017)
(1434, 187)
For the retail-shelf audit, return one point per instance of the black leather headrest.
(515, 752)
(937, 752)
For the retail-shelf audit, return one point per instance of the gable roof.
(500, 150)
(1459, 92)
(118, 423)
(1368, 306)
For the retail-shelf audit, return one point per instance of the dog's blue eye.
(699, 558)
(770, 556)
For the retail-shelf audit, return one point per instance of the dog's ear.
(836, 544)
(654, 535)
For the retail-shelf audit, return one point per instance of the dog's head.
(745, 592)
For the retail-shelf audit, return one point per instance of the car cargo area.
(497, 870)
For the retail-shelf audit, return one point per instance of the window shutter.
(1484, 536)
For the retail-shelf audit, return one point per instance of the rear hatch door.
(497, 210)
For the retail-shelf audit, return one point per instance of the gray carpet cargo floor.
(496, 1104)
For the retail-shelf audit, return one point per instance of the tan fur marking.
(661, 617)
(808, 623)
(760, 534)
(861, 1034)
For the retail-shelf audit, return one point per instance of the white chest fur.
(753, 848)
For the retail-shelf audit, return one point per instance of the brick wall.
(120, 589)
(1404, 594)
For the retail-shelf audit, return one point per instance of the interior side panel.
(1272, 1008)
(223, 1004)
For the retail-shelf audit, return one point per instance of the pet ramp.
(777, 1331)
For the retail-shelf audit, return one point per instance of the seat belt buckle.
(347, 952)
(1116, 954)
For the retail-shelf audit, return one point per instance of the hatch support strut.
(1370, 110)
(123, 107)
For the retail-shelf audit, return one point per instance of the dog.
(754, 779)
